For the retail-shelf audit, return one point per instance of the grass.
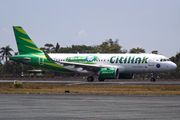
(31, 88)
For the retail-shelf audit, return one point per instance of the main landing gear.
(152, 78)
(90, 79)
(100, 79)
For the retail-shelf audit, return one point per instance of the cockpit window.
(163, 60)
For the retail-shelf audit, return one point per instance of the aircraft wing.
(88, 67)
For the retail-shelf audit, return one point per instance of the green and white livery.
(106, 66)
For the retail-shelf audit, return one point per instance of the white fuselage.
(127, 63)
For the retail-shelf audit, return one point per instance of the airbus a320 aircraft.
(106, 66)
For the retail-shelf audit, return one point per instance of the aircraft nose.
(173, 66)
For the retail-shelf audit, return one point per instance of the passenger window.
(164, 59)
(161, 60)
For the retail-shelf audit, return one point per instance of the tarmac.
(88, 107)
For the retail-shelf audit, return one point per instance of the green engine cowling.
(125, 76)
(109, 73)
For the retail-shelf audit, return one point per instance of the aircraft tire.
(90, 79)
(101, 79)
(153, 79)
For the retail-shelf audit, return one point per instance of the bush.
(18, 85)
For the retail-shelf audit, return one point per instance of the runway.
(89, 107)
(97, 83)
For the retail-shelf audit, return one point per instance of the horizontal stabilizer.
(25, 59)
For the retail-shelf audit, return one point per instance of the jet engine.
(109, 73)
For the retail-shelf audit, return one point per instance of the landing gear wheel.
(153, 79)
(101, 79)
(90, 79)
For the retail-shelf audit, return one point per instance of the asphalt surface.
(97, 83)
(89, 107)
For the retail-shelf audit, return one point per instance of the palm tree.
(5, 53)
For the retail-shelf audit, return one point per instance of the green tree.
(175, 73)
(137, 50)
(49, 47)
(57, 47)
(83, 49)
(110, 46)
(154, 52)
(66, 50)
(5, 53)
(93, 49)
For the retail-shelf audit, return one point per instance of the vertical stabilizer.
(24, 43)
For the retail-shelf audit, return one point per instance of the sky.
(148, 24)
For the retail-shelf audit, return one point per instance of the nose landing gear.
(152, 78)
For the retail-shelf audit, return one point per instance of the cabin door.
(150, 62)
(41, 60)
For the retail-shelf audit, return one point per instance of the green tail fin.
(24, 43)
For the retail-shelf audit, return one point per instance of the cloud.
(82, 34)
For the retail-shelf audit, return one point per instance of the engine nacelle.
(125, 75)
(109, 73)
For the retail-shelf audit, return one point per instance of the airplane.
(105, 66)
